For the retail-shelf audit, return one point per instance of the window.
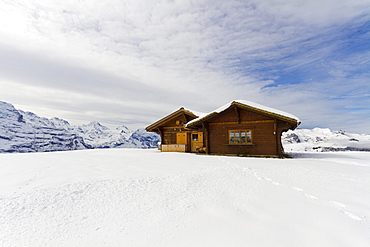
(240, 136)
(194, 137)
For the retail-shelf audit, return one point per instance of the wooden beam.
(186, 119)
(206, 136)
(161, 135)
(276, 138)
(243, 122)
(237, 113)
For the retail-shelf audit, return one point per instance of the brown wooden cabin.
(240, 127)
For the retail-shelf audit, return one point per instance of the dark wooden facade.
(175, 136)
(237, 129)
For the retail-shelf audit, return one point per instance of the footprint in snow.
(342, 207)
(311, 196)
(266, 179)
(338, 204)
(301, 190)
(297, 189)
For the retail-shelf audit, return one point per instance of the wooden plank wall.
(174, 148)
(263, 138)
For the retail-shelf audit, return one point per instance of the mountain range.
(23, 132)
(323, 140)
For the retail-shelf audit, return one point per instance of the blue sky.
(133, 61)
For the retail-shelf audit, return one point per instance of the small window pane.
(242, 136)
(232, 136)
(249, 136)
(195, 137)
(237, 137)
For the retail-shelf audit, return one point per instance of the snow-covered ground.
(132, 197)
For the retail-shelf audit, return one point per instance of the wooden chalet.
(240, 127)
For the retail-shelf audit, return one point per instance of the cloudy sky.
(134, 61)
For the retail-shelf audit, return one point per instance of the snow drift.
(138, 197)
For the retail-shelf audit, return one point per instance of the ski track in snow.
(203, 201)
(337, 205)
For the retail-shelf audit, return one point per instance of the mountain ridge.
(324, 140)
(22, 132)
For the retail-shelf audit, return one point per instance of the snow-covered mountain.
(26, 132)
(99, 136)
(322, 140)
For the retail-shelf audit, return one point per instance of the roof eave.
(247, 107)
(156, 124)
(195, 123)
(274, 115)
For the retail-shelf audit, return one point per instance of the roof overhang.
(162, 121)
(261, 110)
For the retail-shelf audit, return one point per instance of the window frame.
(193, 138)
(237, 135)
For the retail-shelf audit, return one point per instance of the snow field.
(129, 197)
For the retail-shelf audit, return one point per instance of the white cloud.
(155, 56)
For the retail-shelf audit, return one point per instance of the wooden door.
(196, 141)
(181, 138)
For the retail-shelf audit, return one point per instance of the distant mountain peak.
(26, 132)
(94, 123)
(324, 139)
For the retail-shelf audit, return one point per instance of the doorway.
(196, 141)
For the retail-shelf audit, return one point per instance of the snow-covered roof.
(182, 110)
(197, 113)
(248, 105)
(268, 109)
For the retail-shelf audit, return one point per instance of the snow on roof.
(171, 115)
(197, 113)
(268, 109)
(247, 103)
